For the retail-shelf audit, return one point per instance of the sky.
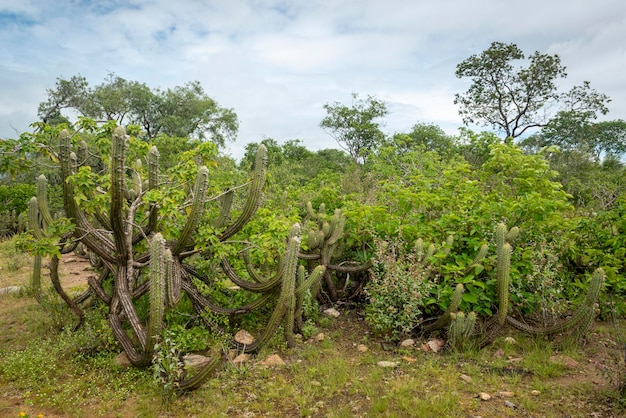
(277, 62)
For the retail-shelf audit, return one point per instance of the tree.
(185, 111)
(513, 99)
(353, 127)
(428, 135)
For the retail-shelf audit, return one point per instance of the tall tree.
(183, 111)
(512, 98)
(354, 127)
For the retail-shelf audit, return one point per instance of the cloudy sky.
(277, 62)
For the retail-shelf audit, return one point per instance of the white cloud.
(277, 62)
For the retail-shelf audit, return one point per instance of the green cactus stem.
(455, 302)
(197, 209)
(461, 329)
(581, 318)
(503, 279)
(286, 298)
(255, 195)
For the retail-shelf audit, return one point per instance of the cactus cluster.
(463, 327)
(322, 248)
(136, 261)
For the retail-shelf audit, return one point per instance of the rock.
(535, 392)
(466, 378)
(434, 345)
(407, 343)
(9, 290)
(361, 348)
(484, 396)
(332, 312)
(273, 360)
(506, 394)
(409, 359)
(510, 340)
(195, 361)
(510, 404)
(244, 337)
(320, 337)
(241, 358)
(315, 383)
(122, 360)
(387, 364)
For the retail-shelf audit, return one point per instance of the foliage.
(182, 111)
(514, 99)
(353, 127)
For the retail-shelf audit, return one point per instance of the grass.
(50, 371)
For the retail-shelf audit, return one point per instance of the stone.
(387, 364)
(506, 394)
(244, 337)
(122, 360)
(409, 359)
(320, 337)
(361, 348)
(241, 358)
(332, 312)
(273, 360)
(10, 290)
(434, 345)
(407, 343)
(466, 378)
(195, 361)
(535, 392)
(510, 340)
(510, 404)
(484, 396)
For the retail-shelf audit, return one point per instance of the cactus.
(322, 245)
(580, 320)
(444, 319)
(461, 329)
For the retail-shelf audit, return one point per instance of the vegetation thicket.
(424, 232)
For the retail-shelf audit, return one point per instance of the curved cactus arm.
(203, 374)
(255, 195)
(195, 214)
(94, 239)
(286, 298)
(253, 272)
(582, 317)
(204, 302)
(265, 286)
(444, 319)
(56, 282)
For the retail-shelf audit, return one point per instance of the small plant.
(168, 367)
(397, 289)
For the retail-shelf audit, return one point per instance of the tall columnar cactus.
(127, 239)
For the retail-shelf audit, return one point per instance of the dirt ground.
(588, 368)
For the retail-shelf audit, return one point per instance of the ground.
(339, 374)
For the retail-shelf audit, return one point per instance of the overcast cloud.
(276, 63)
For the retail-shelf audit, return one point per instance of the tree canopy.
(182, 111)
(354, 127)
(514, 98)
